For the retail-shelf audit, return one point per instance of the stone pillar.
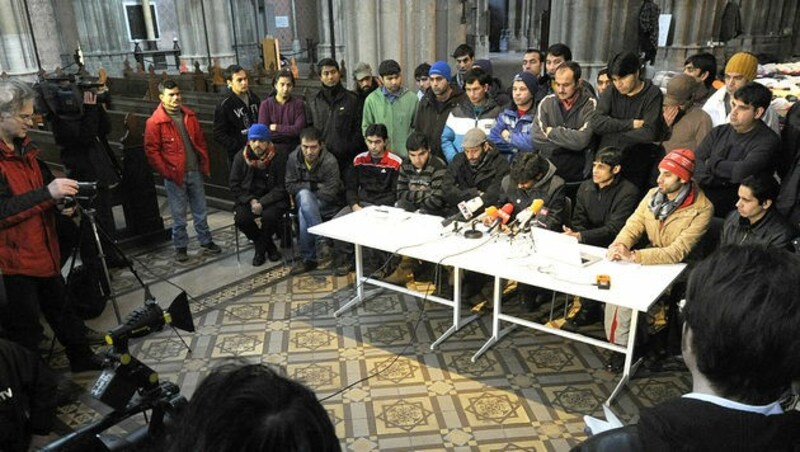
(192, 35)
(102, 34)
(16, 48)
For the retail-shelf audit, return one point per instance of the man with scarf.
(336, 113)
(674, 216)
(257, 182)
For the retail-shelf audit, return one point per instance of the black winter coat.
(265, 185)
(232, 119)
(463, 182)
(600, 213)
(336, 112)
(772, 231)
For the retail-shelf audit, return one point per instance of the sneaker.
(274, 255)
(398, 276)
(303, 267)
(181, 255)
(258, 259)
(211, 248)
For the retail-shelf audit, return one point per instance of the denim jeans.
(193, 195)
(308, 214)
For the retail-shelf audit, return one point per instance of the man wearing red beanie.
(674, 216)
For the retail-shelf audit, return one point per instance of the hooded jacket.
(164, 147)
(232, 119)
(463, 182)
(569, 143)
(772, 230)
(462, 119)
(671, 240)
(322, 178)
(549, 188)
(432, 116)
(520, 127)
(28, 239)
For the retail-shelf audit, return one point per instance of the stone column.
(192, 35)
(102, 34)
(16, 48)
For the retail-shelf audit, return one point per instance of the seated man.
(478, 171)
(257, 182)
(740, 148)
(743, 359)
(250, 407)
(419, 185)
(534, 177)
(312, 178)
(673, 217)
(755, 221)
(601, 207)
(372, 181)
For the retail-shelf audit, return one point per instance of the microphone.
(466, 209)
(538, 220)
(503, 215)
(524, 217)
(490, 213)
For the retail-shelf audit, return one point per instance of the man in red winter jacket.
(176, 149)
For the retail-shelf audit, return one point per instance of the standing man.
(514, 126)
(312, 178)
(436, 105)
(703, 68)
(465, 57)
(366, 83)
(755, 220)
(336, 114)
(176, 149)
(422, 79)
(235, 113)
(740, 70)
(30, 259)
(532, 61)
(392, 105)
(257, 183)
(629, 117)
(562, 130)
(603, 82)
(478, 110)
(673, 217)
(733, 151)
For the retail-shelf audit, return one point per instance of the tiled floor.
(529, 392)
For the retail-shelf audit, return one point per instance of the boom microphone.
(466, 210)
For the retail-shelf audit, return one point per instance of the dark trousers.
(272, 218)
(28, 296)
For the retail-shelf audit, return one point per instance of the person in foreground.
(741, 346)
(249, 408)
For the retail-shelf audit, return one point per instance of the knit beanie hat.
(743, 63)
(679, 162)
(258, 132)
(529, 80)
(440, 68)
(485, 65)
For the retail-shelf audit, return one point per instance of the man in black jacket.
(312, 178)
(755, 221)
(733, 151)
(257, 182)
(436, 105)
(235, 113)
(602, 206)
(336, 113)
(478, 171)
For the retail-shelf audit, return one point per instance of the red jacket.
(28, 239)
(164, 147)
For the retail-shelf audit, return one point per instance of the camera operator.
(87, 156)
(30, 255)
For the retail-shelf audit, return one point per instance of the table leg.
(457, 323)
(629, 369)
(496, 334)
(359, 284)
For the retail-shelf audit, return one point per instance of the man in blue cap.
(437, 103)
(257, 182)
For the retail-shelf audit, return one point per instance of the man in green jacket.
(392, 105)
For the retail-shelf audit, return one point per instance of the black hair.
(764, 186)
(327, 62)
(377, 130)
(603, 71)
(706, 62)
(624, 64)
(464, 50)
(284, 73)
(528, 166)
(311, 133)
(532, 50)
(477, 74)
(416, 141)
(422, 70)
(755, 94)
(251, 408)
(610, 155)
(742, 308)
(574, 67)
(233, 69)
(166, 84)
(561, 50)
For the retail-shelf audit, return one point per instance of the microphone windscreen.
(536, 205)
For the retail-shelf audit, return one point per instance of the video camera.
(125, 376)
(63, 95)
